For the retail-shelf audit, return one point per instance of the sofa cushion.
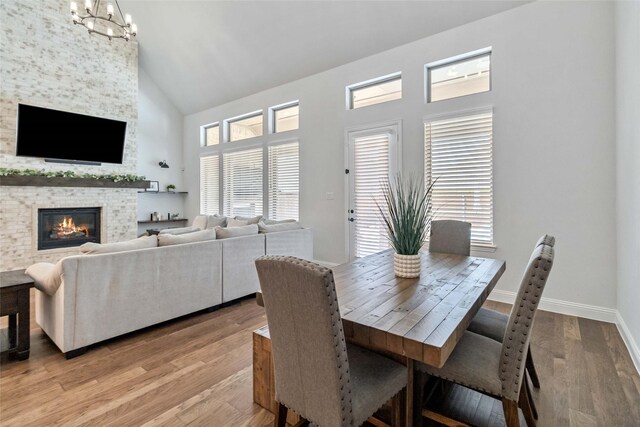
(232, 222)
(200, 222)
(196, 236)
(129, 245)
(244, 230)
(46, 276)
(284, 226)
(250, 219)
(179, 230)
(273, 221)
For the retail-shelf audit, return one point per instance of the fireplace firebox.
(67, 227)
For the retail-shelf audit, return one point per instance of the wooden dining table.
(419, 319)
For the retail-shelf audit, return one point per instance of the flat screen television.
(69, 137)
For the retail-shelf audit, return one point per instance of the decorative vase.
(407, 266)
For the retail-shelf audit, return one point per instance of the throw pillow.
(129, 245)
(196, 236)
(200, 222)
(214, 221)
(46, 276)
(285, 226)
(231, 222)
(244, 230)
(250, 219)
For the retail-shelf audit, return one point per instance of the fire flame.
(67, 227)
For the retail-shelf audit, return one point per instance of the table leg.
(24, 319)
(12, 331)
(409, 397)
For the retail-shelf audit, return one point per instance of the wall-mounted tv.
(69, 137)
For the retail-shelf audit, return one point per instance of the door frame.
(388, 126)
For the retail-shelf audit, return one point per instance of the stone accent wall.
(46, 60)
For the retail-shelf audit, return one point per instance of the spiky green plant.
(406, 211)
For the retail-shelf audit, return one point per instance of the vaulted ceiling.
(206, 53)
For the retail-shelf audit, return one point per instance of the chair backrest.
(307, 340)
(515, 343)
(450, 237)
(546, 240)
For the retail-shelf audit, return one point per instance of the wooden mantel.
(59, 181)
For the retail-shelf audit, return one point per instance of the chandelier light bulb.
(110, 9)
(127, 19)
(134, 29)
(109, 33)
(90, 25)
(87, 5)
(76, 18)
(74, 7)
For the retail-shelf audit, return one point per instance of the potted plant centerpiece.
(406, 211)
(171, 188)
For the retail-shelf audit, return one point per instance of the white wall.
(159, 138)
(554, 127)
(628, 168)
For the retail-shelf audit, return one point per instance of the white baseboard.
(631, 344)
(587, 311)
(563, 307)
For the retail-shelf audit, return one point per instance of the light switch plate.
(329, 195)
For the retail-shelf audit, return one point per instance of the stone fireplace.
(67, 227)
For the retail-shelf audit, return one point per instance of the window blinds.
(242, 182)
(371, 168)
(210, 185)
(458, 153)
(284, 181)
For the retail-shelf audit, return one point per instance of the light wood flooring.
(197, 371)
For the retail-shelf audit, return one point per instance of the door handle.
(352, 219)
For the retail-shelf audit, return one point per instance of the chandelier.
(108, 25)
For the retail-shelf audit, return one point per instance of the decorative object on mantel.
(407, 213)
(163, 164)
(154, 187)
(104, 22)
(171, 188)
(42, 178)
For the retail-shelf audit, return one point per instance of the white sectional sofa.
(106, 295)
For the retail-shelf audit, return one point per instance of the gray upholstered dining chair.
(317, 373)
(492, 324)
(498, 369)
(450, 237)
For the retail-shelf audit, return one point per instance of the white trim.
(631, 344)
(271, 129)
(367, 83)
(587, 311)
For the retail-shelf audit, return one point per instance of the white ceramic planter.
(406, 265)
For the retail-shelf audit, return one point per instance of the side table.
(15, 289)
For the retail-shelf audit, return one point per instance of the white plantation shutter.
(458, 153)
(210, 185)
(284, 181)
(242, 182)
(371, 168)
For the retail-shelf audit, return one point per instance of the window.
(247, 126)
(211, 134)
(458, 155)
(284, 181)
(210, 185)
(285, 117)
(459, 76)
(242, 182)
(371, 92)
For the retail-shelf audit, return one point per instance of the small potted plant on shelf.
(171, 188)
(407, 212)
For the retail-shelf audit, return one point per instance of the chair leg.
(281, 416)
(532, 401)
(511, 417)
(398, 408)
(525, 404)
(531, 368)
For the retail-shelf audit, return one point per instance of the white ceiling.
(205, 53)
